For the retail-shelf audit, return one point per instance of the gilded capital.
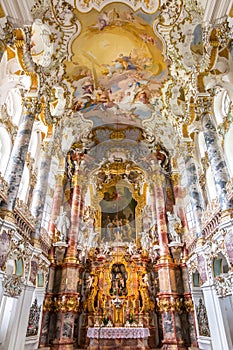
(31, 105)
(188, 305)
(67, 303)
(170, 304)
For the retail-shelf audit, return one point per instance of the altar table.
(121, 338)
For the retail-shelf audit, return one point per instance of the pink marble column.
(161, 216)
(168, 299)
(75, 219)
(67, 300)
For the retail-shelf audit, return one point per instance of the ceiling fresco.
(120, 67)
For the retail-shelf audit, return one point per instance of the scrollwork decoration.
(12, 286)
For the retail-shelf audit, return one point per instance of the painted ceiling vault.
(118, 70)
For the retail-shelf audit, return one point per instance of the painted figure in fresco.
(125, 62)
(110, 227)
(126, 230)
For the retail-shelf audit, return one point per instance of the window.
(226, 103)
(190, 216)
(196, 279)
(220, 265)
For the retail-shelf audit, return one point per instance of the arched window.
(19, 267)
(40, 279)
(196, 279)
(220, 265)
(5, 149)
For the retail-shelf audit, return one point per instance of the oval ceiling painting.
(117, 65)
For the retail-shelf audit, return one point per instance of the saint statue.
(62, 224)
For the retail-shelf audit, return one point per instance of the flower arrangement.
(106, 320)
(130, 318)
(130, 321)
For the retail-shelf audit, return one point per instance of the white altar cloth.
(117, 332)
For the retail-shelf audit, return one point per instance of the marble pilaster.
(169, 301)
(216, 159)
(19, 153)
